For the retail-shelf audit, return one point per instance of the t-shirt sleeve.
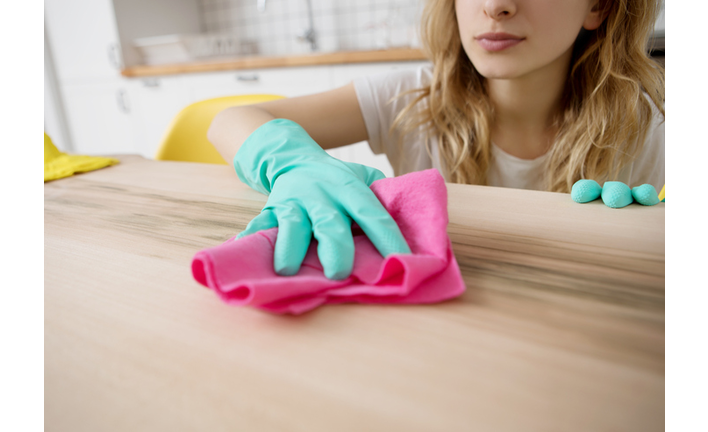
(367, 93)
(376, 95)
(649, 167)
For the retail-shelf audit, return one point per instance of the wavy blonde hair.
(604, 117)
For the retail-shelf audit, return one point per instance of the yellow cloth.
(58, 165)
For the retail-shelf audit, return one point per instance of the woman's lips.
(498, 41)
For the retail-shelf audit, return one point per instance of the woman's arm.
(332, 118)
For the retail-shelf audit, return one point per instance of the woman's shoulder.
(657, 115)
(648, 165)
(400, 79)
(654, 139)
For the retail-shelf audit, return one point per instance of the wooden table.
(561, 328)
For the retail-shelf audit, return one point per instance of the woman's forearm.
(231, 127)
(332, 118)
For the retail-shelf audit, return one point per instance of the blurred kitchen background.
(118, 71)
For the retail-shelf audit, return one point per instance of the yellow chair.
(186, 138)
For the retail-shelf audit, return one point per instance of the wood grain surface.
(561, 327)
(256, 62)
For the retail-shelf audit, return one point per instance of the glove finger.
(335, 243)
(645, 195)
(584, 191)
(367, 174)
(616, 194)
(265, 220)
(366, 210)
(294, 235)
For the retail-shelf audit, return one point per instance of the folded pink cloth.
(241, 271)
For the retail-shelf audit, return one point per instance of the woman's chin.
(497, 72)
(498, 68)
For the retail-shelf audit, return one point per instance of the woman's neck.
(525, 107)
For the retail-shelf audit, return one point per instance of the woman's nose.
(499, 9)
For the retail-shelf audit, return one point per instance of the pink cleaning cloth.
(241, 271)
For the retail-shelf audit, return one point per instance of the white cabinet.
(145, 18)
(100, 117)
(96, 100)
(83, 38)
(156, 102)
(286, 81)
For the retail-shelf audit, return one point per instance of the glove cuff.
(270, 150)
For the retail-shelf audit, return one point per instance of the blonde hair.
(605, 113)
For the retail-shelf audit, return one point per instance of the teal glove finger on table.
(613, 193)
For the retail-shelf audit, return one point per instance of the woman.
(533, 94)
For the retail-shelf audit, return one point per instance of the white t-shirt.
(375, 91)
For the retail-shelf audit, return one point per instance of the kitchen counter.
(254, 62)
(561, 326)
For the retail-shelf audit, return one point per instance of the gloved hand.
(614, 194)
(311, 192)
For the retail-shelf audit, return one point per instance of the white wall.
(339, 24)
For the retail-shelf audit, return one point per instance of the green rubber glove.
(614, 194)
(312, 193)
